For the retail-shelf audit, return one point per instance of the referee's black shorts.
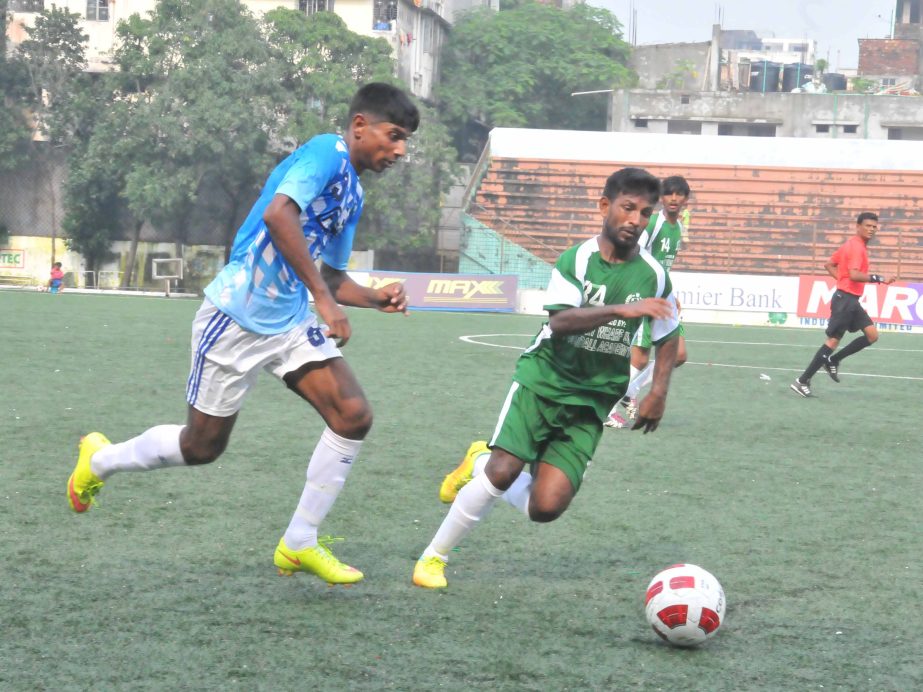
(846, 315)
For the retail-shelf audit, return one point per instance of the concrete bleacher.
(759, 206)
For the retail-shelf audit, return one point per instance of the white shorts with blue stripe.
(226, 358)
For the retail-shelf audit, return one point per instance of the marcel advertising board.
(494, 293)
(896, 307)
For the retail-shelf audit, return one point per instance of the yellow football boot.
(83, 484)
(457, 480)
(317, 560)
(429, 572)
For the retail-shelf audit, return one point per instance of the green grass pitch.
(807, 511)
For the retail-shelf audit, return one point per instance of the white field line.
(476, 339)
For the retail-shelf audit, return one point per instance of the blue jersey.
(258, 289)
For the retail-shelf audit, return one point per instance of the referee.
(849, 265)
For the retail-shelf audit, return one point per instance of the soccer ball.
(685, 605)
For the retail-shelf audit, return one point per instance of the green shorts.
(642, 337)
(537, 429)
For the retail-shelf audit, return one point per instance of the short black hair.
(56, 264)
(632, 181)
(387, 102)
(675, 183)
(865, 216)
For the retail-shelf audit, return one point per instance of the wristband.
(876, 279)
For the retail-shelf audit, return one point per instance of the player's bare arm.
(583, 319)
(652, 406)
(830, 267)
(283, 219)
(389, 298)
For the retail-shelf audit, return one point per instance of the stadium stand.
(759, 206)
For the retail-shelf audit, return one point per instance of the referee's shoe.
(802, 388)
(831, 367)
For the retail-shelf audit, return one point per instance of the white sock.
(155, 448)
(480, 462)
(330, 464)
(472, 504)
(639, 379)
(518, 493)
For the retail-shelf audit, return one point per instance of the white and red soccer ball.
(685, 605)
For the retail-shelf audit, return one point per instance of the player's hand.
(650, 411)
(332, 315)
(656, 308)
(890, 280)
(393, 298)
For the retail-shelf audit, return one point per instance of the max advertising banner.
(899, 303)
(495, 293)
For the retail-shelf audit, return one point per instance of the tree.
(863, 85)
(60, 91)
(203, 94)
(95, 211)
(680, 77)
(322, 64)
(14, 128)
(403, 206)
(54, 57)
(518, 68)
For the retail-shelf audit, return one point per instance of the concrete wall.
(794, 115)
(653, 63)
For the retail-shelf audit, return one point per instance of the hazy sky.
(836, 25)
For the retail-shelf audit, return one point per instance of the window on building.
(761, 130)
(640, 122)
(427, 36)
(97, 10)
(314, 6)
(888, 81)
(385, 15)
(27, 5)
(906, 133)
(850, 129)
(684, 127)
(822, 129)
(725, 129)
(684, 99)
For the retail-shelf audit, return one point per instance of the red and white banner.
(897, 303)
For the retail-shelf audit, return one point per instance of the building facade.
(416, 29)
(740, 84)
(745, 113)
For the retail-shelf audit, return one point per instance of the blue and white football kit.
(256, 313)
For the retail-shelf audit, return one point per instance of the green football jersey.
(592, 369)
(662, 239)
